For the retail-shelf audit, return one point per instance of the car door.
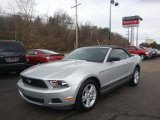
(32, 56)
(134, 50)
(116, 70)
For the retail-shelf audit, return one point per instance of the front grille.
(56, 100)
(34, 99)
(34, 82)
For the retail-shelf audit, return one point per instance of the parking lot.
(126, 103)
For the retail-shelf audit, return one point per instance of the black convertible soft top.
(113, 47)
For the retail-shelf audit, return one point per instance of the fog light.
(56, 100)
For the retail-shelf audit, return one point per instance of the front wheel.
(135, 77)
(87, 96)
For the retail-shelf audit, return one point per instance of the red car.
(143, 53)
(38, 56)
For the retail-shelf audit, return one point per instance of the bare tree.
(25, 9)
(57, 33)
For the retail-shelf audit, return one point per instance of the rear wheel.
(87, 96)
(135, 77)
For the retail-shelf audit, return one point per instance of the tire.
(142, 56)
(135, 77)
(87, 96)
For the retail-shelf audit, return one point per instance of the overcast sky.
(97, 13)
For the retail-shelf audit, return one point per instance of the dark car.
(153, 52)
(158, 52)
(38, 56)
(12, 56)
(143, 53)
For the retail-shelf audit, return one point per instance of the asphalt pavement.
(126, 103)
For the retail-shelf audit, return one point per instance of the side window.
(118, 53)
(32, 52)
(131, 48)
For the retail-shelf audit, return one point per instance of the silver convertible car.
(80, 77)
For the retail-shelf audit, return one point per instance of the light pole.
(112, 2)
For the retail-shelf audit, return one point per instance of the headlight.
(58, 84)
(147, 52)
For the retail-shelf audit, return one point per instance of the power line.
(131, 5)
(91, 11)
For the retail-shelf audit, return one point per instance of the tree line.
(56, 33)
(152, 45)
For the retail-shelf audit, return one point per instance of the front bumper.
(46, 97)
(148, 56)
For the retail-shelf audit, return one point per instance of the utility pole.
(112, 2)
(76, 14)
(110, 24)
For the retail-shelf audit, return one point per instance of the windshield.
(89, 54)
(7, 46)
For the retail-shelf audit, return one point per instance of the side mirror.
(114, 59)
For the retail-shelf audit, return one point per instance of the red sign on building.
(132, 21)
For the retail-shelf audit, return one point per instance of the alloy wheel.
(136, 77)
(89, 95)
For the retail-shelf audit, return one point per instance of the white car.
(80, 77)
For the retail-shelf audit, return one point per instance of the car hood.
(56, 70)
